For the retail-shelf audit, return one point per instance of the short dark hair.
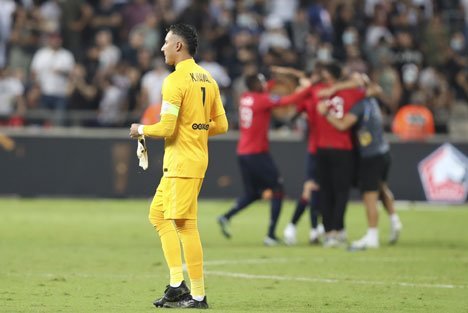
(334, 68)
(188, 33)
(252, 82)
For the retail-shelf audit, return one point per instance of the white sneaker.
(365, 242)
(395, 230)
(342, 237)
(289, 234)
(270, 242)
(320, 229)
(330, 242)
(314, 236)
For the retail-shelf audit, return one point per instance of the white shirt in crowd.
(218, 72)
(284, 9)
(10, 89)
(464, 4)
(49, 65)
(110, 106)
(108, 57)
(152, 82)
(51, 13)
(7, 7)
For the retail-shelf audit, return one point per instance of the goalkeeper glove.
(142, 153)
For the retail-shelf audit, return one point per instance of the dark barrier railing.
(103, 163)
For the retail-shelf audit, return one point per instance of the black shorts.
(373, 171)
(259, 172)
(311, 167)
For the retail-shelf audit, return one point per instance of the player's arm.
(373, 90)
(294, 98)
(218, 125)
(356, 80)
(164, 128)
(218, 121)
(345, 123)
(172, 98)
(288, 71)
(348, 120)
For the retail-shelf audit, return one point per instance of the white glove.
(142, 153)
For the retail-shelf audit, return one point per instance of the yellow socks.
(170, 245)
(187, 232)
(193, 253)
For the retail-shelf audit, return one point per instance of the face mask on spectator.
(410, 74)
(349, 38)
(457, 44)
(324, 54)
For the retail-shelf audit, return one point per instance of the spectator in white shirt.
(112, 104)
(51, 66)
(109, 54)
(216, 70)
(7, 7)
(151, 84)
(11, 96)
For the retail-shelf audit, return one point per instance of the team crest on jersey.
(444, 175)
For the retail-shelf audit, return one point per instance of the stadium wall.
(105, 165)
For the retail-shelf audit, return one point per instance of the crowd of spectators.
(103, 57)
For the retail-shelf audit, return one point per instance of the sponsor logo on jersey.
(200, 126)
(444, 175)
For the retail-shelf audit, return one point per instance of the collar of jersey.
(184, 63)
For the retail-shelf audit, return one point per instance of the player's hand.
(323, 107)
(326, 92)
(134, 131)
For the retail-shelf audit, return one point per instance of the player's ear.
(179, 46)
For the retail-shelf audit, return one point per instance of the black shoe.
(224, 223)
(188, 303)
(173, 294)
(314, 242)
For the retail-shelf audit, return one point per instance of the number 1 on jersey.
(203, 90)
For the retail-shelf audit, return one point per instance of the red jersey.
(254, 119)
(340, 103)
(308, 106)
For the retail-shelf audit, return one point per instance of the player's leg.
(341, 176)
(316, 229)
(170, 246)
(369, 177)
(289, 233)
(302, 202)
(268, 176)
(182, 199)
(388, 201)
(250, 195)
(324, 169)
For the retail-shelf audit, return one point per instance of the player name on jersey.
(199, 77)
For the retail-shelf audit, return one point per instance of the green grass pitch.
(67, 255)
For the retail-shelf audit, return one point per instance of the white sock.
(176, 285)
(394, 218)
(198, 298)
(373, 233)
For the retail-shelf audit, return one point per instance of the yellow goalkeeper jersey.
(191, 92)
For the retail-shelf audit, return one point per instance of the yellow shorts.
(177, 197)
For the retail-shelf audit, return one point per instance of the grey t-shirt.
(369, 128)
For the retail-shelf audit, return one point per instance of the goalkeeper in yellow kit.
(191, 111)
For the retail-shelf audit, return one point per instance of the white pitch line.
(244, 275)
(252, 261)
(329, 280)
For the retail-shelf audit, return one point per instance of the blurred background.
(75, 74)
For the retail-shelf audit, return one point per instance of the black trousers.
(334, 173)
